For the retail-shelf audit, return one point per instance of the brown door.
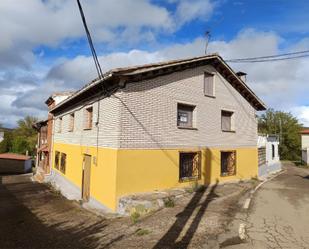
(86, 178)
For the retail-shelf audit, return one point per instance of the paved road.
(279, 214)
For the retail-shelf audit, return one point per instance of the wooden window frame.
(88, 118)
(63, 159)
(199, 167)
(191, 125)
(226, 174)
(232, 120)
(71, 122)
(207, 75)
(57, 160)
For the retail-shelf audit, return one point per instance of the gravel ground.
(34, 216)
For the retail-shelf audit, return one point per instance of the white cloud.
(302, 112)
(188, 10)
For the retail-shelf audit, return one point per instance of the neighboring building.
(1, 136)
(155, 127)
(11, 163)
(305, 146)
(268, 151)
(44, 129)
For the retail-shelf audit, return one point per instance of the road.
(279, 213)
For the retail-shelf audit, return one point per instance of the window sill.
(187, 128)
(87, 129)
(231, 131)
(189, 179)
(226, 175)
(210, 96)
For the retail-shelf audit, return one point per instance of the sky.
(43, 48)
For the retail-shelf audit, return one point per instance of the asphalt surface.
(278, 216)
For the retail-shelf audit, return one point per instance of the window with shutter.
(88, 118)
(59, 125)
(185, 115)
(226, 121)
(209, 87)
(71, 125)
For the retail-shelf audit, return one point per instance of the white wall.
(304, 141)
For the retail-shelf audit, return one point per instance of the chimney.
(242, 76)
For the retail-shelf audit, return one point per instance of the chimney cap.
(240, 73)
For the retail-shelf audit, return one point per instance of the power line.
(269, 58)
(93, 52)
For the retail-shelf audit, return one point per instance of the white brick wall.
(149, 113)
(144, 115)
(107, 130)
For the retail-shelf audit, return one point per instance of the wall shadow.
(196, 204)
(21, 228)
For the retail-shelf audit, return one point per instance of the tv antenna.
(207, 37)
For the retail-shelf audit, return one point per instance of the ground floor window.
(189, 165)
(228, 163)
(57, 157)
(63, 162)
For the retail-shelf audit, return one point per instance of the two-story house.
(154, 127)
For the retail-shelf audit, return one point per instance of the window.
(209, 86)
(59, 125)
(228, 163)
(88, 118)
(63, 162)
(227, 121)
(273, 151)
(189, 165)
(57, 157)
(185, 115)
(71, 124)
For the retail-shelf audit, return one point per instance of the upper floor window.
(60, 125)
(185, 115)
(227, 121)
(209, 86)
(71, 124)
(88, 118)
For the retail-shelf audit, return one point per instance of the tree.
(25, 137)
(287, 127)
(6, 144)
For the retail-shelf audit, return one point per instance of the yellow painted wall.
(103, 174)
(122, 172)
(148, 170)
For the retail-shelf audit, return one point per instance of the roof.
(304, 131)
(37, 126)
(55, 94)
(13, 156)
(138, 73)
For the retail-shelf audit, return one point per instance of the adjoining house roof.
(137, 73)
(304, 131)
(13, 156)
(64, 93)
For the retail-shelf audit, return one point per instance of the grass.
(134, 217)
(142, 232)
(169, 202)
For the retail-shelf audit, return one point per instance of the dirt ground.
(34, 216)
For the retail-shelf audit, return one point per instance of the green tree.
(6, 144)
(25, 137)
(287, 127)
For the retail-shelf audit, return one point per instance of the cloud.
(302, 112)
(190, 10)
